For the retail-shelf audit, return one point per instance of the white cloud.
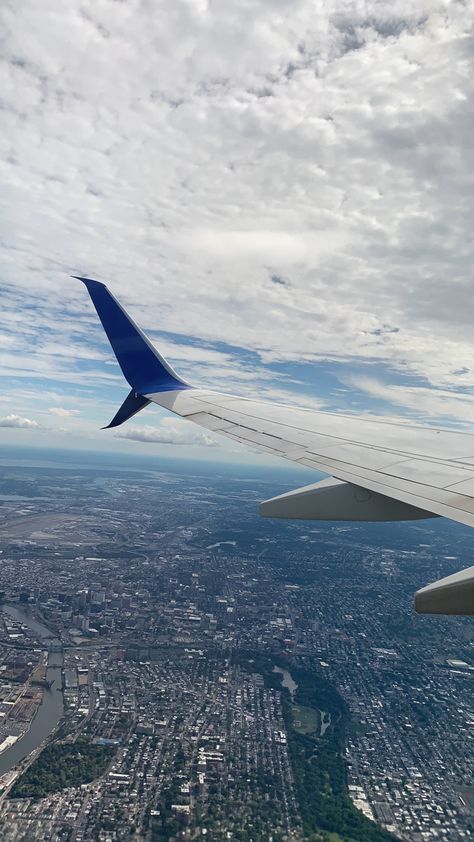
(186, 157)
(18, 422)
(429, 404)
(61, 412)
(169, 434)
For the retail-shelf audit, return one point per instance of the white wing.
(431, 470)
(382, 470)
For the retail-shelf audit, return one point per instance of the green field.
(306, 720)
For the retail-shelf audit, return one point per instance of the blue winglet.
(132, 404)
(143, 367)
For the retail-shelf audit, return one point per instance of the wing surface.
(427, 468)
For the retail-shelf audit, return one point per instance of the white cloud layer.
(290, 177)
(18, 422)
(169, 434)
(422, 402)
(62, 412)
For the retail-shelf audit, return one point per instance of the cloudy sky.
(280, 192)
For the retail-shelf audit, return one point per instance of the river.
(51, 709)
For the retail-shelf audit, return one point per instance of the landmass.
(223, 676)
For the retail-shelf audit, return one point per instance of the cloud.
(18, 422)
(422, 402)
(301, 193)
(171, 434)
(61, 412)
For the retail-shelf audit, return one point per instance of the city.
(175, 667)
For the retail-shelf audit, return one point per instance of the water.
(52, 707)
(222, 544)
(287, 681)
(325, 721)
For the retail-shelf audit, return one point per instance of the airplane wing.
(380, 470)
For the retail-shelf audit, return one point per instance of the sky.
(280, 192)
